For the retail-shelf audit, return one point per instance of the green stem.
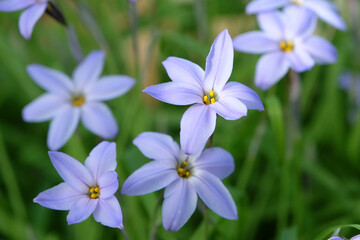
(153, 221)
(201, 19)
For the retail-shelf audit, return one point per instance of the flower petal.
(89, 70)
(157, 146)
(328, 12)
(176, 93)
(29, 18)
(14, 5)
(245, 94)
(196, 126)
(270, 69)
(357, 237)
(43, 108)
(101, 159)
(300, 22)
(229, 108)
(216, 161)
(62, 127)
(321, 50)
(98, 119)
(109, 87)
(72, 171)
(300, 60)
(257, 6)
(181, 70)
(50, 80)
(214, 194)
(81, 210)
(149, 178)
(272, 23)
(108, 184)
(219, 62)
(179, 204)
(255, 42)
(108, 213)
(60, 197)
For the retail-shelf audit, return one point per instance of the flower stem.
(74, 44)
(201, 19)
(153, 221)
(134, 33)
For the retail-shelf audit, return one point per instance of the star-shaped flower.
(324, 9)
(184, 177)
(35, 9)
(207, 90)
(86, 189)
(69, 101)
(286, 41)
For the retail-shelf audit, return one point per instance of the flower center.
(78, 100)
(297, 2)
(183, 169)
(209, 98)
(287, 46)
(94, 192)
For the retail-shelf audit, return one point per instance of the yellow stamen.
(183, 169)
(297, 2)
(185, 163)
(287, 46)
(94, 192)
(78, 100)
(212, 94)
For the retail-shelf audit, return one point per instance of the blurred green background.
(279, 196)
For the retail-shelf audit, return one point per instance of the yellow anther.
(187, 174)
(297, 2)
(287, 46)
(78, 100)
(212, 100)
(212, 94)
(92, 190)
(97, 190)
(94, 195)
(185, 163)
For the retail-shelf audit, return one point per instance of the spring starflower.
(209, 92)
(67, 101)
(324, 9)
(86, 189)
(183, 177)
(34, 10)
(286, 41)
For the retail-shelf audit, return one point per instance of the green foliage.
(306, 195)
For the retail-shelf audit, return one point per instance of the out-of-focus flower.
(34, 10)
(336, 238)
(324, 9)
(207, 90)
(286, 41)
(350, 82)
(184, 177)
(86, 189)
(357, 237)
(66, 101)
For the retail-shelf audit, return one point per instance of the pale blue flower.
(209, 92)
(86, 189)
(357, 237)
(183, 177)
(34, 10)
(286, 41)
(67, 102)
(324, 9)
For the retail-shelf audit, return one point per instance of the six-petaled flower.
(183, 177)
(209, 92)
(67, 102)
(286, 41)
(324, 9)
(86, 189)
